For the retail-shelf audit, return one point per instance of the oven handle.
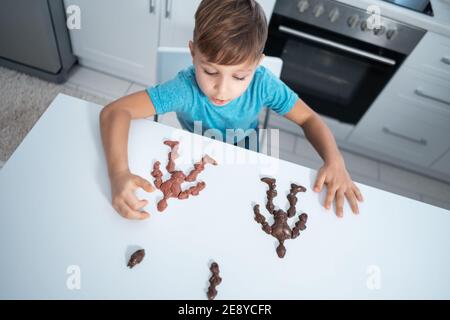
(336, 45)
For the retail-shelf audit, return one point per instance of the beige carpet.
(23, 99)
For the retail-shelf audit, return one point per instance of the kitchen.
(361, 59)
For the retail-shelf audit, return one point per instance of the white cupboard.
(122, 37)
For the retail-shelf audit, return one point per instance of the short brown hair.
(230, 32)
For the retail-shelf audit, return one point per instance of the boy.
(225, 89)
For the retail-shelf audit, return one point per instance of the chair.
(171, 60)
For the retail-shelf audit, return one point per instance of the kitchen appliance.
(422, 6)
(34, 38)
(338, 58)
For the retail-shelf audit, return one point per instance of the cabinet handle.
(420, 93)
(152, 6)
(445, 60)
(168, 9)
(420, 141)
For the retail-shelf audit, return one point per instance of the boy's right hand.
(124, 200)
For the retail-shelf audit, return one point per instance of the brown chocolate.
(173, 154)
(280, 228)
(214, 281)
(292, 198)
(136, 258)
(171, 188)
(271, 193)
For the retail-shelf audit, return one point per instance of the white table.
(56, 213)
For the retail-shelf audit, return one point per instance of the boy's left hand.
(340, 185)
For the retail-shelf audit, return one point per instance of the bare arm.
(334, 173)
(115, 124)
(316, 131)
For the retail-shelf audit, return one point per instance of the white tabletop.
(57, 224)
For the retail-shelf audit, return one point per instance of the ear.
(261, 59)
(191, 48)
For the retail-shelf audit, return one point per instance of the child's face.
(221, 83)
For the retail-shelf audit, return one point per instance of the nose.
(221, 89)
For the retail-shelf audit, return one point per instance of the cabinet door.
(404, 129)
(432, 55)
(177, 24)
(118, 37)
(443, 164)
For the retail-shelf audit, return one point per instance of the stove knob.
(318, 10)
(303, 5)
(334, 15)
(353, 21)
(379, 31)
(364, 25)
(391, 33)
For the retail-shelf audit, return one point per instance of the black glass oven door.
(332, 77)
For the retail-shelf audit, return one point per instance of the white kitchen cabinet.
(432, 91)
(177, 20)
(403, 129)
(118, 37)
(410, 120)
(122, 37)
(432, 55)
(443, 164)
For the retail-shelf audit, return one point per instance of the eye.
(240, 79)
(209, 73)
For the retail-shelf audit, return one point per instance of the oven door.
(336, 76)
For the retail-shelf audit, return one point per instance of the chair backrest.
(172, 60)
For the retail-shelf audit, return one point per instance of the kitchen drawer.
(443, 164)
(432, 55)
(404, 130)
(431, 91)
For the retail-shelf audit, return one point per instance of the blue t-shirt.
(183, 96)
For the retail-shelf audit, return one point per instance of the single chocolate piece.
(214, 281)
(280, 228)
(304, 217)
(136, 258)
(172, 188)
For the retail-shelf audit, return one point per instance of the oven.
(338, 58)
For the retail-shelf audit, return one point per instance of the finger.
(330, 196)
(340, 203)
(358, 193)
(144, 184)
(134, 203)
(351, 197)
(128, 213)
(121, 208)
(320, 180)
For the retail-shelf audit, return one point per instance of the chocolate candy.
(136, 258)
(214, 281)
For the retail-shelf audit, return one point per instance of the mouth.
(219, 101)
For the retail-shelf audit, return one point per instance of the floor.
(292, 148)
